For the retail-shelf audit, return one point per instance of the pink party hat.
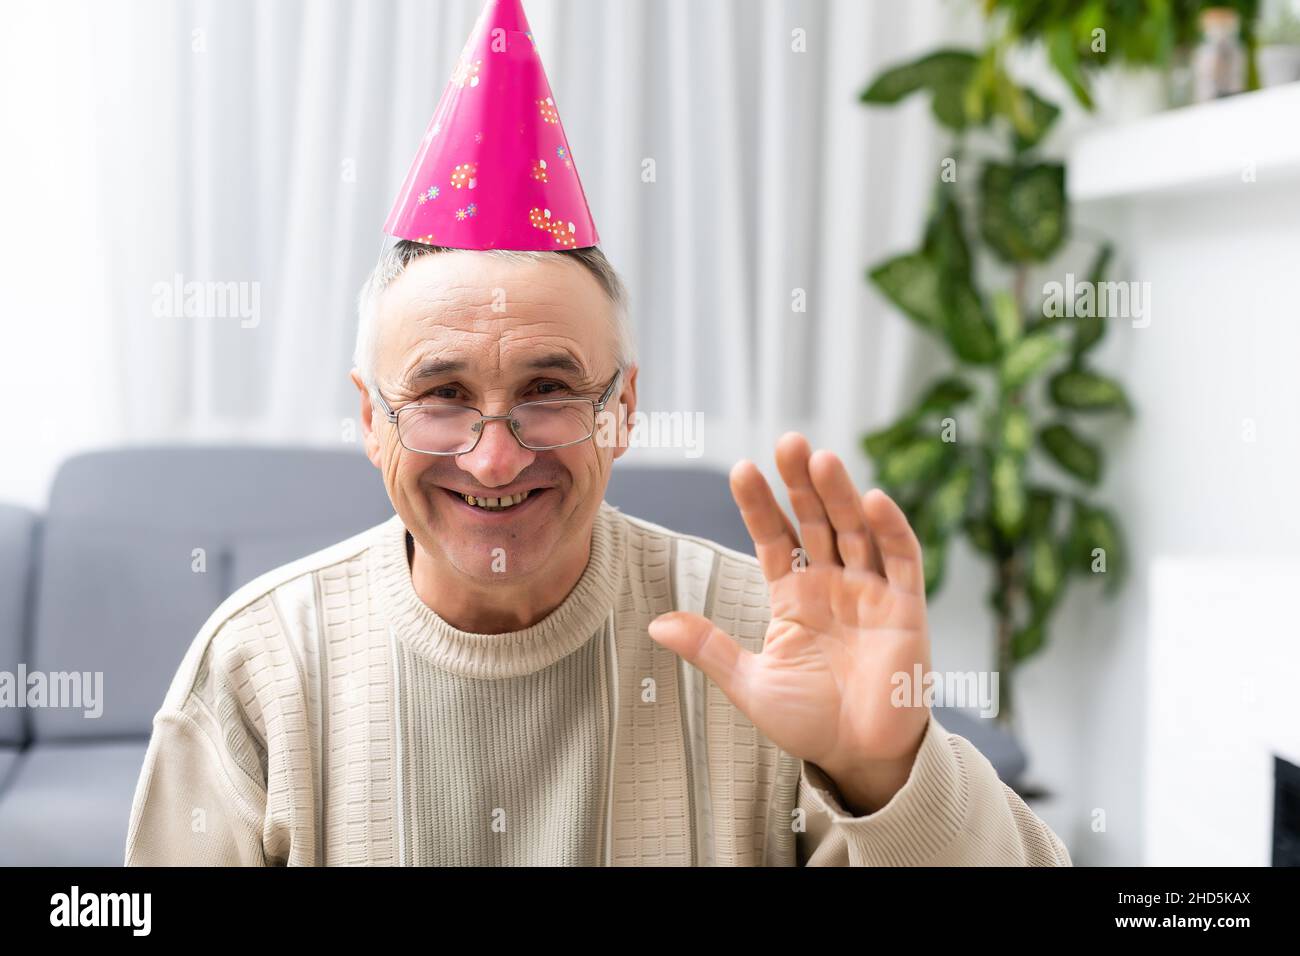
(494, 170)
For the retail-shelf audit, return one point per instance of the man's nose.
(498, 458)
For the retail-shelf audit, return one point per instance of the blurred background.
(1028, 265)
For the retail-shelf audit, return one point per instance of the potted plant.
(1081, 39)
(962, 461)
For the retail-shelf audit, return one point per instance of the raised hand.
(847, 614)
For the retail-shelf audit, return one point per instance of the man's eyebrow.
(432, 368)
(558, 360)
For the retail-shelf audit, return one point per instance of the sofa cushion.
(142, 544)
(119, 609)
(255, 556)
(691, 500)
(69, 804)
(990, 738)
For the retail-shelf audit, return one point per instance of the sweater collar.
(514, 653)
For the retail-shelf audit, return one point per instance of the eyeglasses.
(445, 429)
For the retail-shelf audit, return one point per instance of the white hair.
(394, 260)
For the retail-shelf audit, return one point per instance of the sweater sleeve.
(952, 811)
(190, 807)
(201, 796)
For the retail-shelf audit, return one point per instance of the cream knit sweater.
(325, 715)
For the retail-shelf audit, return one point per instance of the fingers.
(792, 454)
(837, 494)
(837, 526)
(774, 537)
(705, 645)
(899, 547)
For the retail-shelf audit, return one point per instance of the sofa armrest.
(18, 543)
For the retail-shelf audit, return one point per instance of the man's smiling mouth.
(496, 502)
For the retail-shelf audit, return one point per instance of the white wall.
(1221, 352)
(1225, 646)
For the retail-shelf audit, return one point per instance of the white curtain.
(260, 143)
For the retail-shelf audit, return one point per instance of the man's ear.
(627, 408)
(368, 435)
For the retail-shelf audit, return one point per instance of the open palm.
(847, 615)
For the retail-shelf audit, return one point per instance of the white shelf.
(1210, 145)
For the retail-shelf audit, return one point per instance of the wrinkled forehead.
(488, 314)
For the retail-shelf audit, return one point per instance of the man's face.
(475, 330)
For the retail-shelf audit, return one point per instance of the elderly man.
(510, 671)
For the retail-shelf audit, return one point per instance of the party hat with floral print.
(494, 170)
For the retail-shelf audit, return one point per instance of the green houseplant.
(1081, 37)
(959, 462)
(1023, 384)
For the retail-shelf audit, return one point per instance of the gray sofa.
(136, 549)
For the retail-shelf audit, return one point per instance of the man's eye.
(444, 393)
(550, 388)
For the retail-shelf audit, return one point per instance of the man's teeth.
(496, 504)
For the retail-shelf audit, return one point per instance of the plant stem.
(1008, 587)
(1009, 583)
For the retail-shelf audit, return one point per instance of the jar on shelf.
(1219, 61)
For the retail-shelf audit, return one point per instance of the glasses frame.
(597, 406)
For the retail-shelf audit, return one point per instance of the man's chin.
(498, 565)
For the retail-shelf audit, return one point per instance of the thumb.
(699, 641)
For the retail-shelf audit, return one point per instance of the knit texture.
(324, 715)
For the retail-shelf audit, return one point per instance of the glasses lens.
(543, 424)
(437, 428)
